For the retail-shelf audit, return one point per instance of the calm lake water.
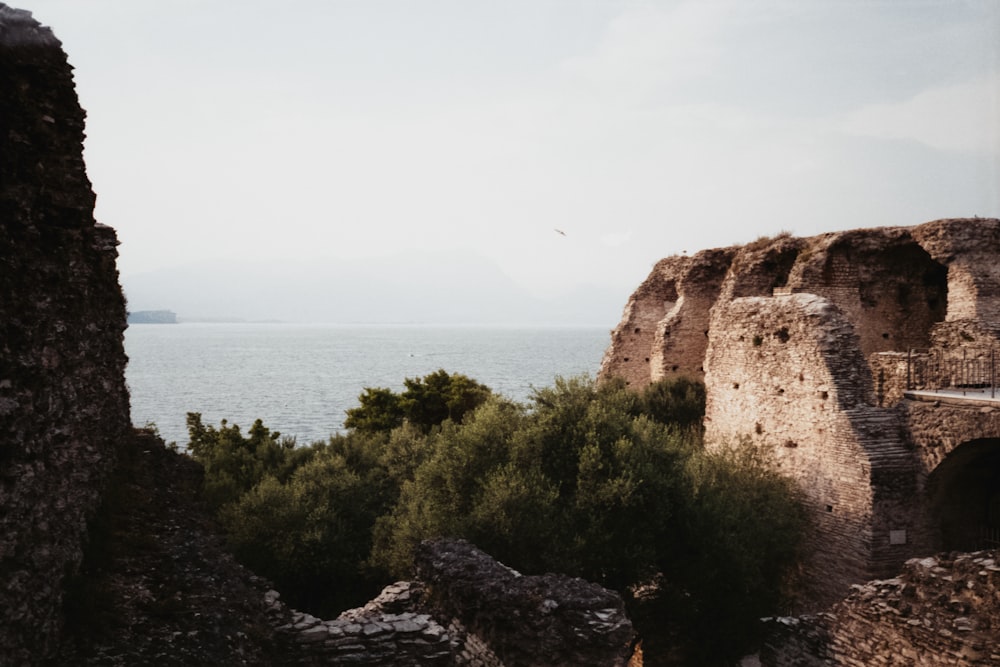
(300, 379)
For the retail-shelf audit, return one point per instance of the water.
(300, 379)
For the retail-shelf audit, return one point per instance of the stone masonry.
(468, 610)
(63, 401)
(809, 349)
(941, 610)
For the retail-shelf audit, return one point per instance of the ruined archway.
(963, 495)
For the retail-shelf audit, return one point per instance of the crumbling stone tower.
(63, 400)
(805, 346)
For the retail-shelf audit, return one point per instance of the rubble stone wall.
(942, 610)
(468, 610)
(63, 400)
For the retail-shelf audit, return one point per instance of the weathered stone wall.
(628, 356)
(969, 249)
(942, 610)
(467, 610)
(901, 287)
(957, 465)
(63, 401)
(682, 335)
(889, 287)
(808, 342)
(787, 375)
(527, 621)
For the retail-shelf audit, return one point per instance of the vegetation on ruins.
(591, 480)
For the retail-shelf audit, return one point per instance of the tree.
(380, 409)
(234, 464)
(310, 535)
(426, 402)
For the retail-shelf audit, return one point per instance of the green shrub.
(426, 402)
(592, 480)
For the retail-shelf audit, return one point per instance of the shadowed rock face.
(527, 621)
(63, 400)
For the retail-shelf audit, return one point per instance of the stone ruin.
(65, 428)
(939, 611)
(63, 401)
(467, 610)
(835, 353)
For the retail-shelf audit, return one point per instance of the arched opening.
(964, 494)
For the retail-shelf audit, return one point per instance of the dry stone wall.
(942, 610)
(63, 401)
(467, 610)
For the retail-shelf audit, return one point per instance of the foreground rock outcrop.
(527, 621)
(63, 401)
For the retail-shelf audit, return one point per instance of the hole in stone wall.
(824, 395)
(791, 444)
(637, 330)
(758, 429)
(706, 333)
(757, 341)
(674, 368)
(802, 377)
(736, 385)
(626, 359)
(829, 508)
(781, 391)
(647, 359)
(782, 334)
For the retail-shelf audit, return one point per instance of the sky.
(324, 131)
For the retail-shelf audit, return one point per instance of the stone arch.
(892, 289)
(963, 497)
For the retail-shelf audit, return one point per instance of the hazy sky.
(302, 129)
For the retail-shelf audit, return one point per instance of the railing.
(936, 370)
(989, 538)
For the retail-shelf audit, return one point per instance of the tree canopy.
(589, 479)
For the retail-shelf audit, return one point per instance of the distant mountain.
(431, 290)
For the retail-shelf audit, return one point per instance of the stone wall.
(682, 335)
(63, 401)
(787, 375)
(968, 248)
(467, 610)
(808, 342)
(901, 288)
(629, 355)
(942, 610)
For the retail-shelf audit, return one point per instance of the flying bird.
(559, 231)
